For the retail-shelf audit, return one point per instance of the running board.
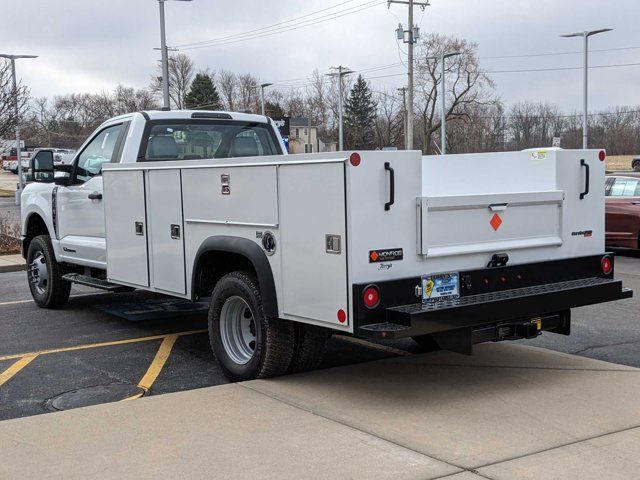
(96, 283)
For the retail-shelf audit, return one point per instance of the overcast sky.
(93, 45)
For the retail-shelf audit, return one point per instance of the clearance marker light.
(602, 155)
(355, 159)
(342, 316)
(606, 265)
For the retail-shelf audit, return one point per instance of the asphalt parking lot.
(106, 347)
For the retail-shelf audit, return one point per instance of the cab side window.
(625, 187)
(100, 150)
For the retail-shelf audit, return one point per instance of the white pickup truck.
(450, 251)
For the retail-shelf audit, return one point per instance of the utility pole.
(262, 87)
(165, 56)
(585, 35)
(341, 72)
(403, 90)
(443, 121)
(410, 37)
(16, 108)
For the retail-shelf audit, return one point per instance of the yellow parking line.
(156, 366)
(17, 302)
(16, 367)
(377, 346)
(103, 344)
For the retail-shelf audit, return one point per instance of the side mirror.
(41, 166)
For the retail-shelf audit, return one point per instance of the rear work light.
(371, 296)
(606, 264)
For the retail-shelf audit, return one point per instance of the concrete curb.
(12, 263)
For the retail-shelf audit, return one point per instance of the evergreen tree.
(360, 117)
(274, 109)
(203, 94)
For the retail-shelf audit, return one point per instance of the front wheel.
(246, 343)
(44, 273)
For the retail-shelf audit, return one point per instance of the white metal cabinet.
(126, 228)
(166, 230)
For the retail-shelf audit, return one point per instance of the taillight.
(606, 264)
(371, 296)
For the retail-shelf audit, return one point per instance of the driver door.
(80, 212)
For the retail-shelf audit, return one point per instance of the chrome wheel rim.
(238, 330)
(39, 273)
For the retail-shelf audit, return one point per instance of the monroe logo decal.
(388, 255)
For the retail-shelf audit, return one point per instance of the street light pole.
(16, 108)
(262, 87)
(443, 135)
(165, 56)
(585, 78)
(342, 71)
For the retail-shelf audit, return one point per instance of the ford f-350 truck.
(449, 250)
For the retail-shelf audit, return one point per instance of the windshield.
(194, 140)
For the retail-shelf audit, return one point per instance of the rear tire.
(48, 289)
(246, 343)
(309, 347)
(427, 342)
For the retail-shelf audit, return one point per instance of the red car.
(622, 210)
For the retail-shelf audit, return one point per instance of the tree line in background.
(477, 120)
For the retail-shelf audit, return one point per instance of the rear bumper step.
(492, 308)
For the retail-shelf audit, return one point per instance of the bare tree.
(466, 84)
(181, 73)
(389, 122)
(248, 93)
(227, 84)
(8, 117)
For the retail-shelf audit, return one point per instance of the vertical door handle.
(139, 226)
(175, 231)
(392, 186)
(586, 179)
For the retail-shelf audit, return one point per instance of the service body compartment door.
(466, 224)
(313, 242)
(126, 227)
(166, 230)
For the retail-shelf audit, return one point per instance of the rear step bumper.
(508, 308)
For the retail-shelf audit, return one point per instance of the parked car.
(622, 210)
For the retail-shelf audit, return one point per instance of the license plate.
(440, 287)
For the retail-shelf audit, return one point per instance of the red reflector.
(606, 265)
(495, 221)
(342, 316)
(355, 159)
(602, 155)
(371, 297)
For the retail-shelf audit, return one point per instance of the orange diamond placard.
(495, 221)
(374, 256)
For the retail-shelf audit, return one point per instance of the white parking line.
(17, 302)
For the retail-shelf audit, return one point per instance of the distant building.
(303, 139)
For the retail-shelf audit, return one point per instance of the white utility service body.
(383, 244)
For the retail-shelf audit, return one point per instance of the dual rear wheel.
(248, 344)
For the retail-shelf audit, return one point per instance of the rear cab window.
(194, 139)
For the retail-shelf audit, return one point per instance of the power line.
(551, 54)
(268, 26)
(288, 28)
